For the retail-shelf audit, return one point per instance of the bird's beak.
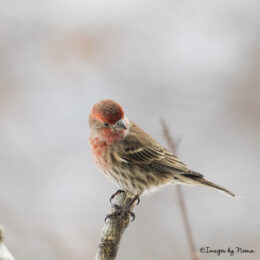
(120, 125)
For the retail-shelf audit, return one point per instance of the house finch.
(132, 159)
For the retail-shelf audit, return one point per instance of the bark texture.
(114, 228)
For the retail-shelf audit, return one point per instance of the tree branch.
(4, 252)
(173, 145)
(113, 229)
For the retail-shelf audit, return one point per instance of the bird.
(133, 160)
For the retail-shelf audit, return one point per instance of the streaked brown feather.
(139, 148)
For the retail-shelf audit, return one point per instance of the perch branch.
(4, 252)
(113, 229)
(173, 145)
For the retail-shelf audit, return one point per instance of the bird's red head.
(107, 119)
(107, 111)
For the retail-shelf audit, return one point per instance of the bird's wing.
(143, 150)
(154, 157)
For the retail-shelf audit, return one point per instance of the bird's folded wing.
(157, 158)
(141, 149)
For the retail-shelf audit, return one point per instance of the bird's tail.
(198, 179)
(206, 183)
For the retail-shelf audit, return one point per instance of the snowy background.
(195, 63)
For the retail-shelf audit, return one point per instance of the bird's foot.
(120, 212)
(116, 193)
(137, 201)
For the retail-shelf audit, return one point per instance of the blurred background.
(195, 63)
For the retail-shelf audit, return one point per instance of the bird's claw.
(121, 212)
(116, 193)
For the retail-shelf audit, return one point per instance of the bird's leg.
(136, 197)
(116, 193)
(121, 212)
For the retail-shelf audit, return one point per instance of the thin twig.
(113, 229)
(173, 147)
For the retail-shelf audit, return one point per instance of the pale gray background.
(196, 63)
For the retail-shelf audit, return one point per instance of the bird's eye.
(106, 124)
